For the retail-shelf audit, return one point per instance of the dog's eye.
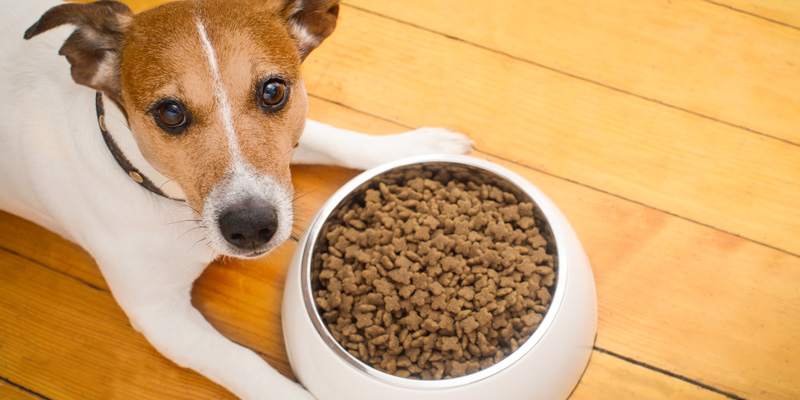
(172, 116)
(273, 94)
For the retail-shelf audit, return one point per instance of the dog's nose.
(249, 226)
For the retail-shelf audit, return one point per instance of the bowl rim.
(540, 200)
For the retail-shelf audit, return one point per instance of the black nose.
(250, 225)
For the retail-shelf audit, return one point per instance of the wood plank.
(142, 5)
(675, 161)
(64, 339)
(781, 11)
(681, 52)
(47, 248)
(602, 381)
(10, 392)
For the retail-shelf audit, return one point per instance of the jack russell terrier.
(191, 111)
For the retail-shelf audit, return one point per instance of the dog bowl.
(547, 365)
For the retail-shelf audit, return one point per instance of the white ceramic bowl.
(546, 366)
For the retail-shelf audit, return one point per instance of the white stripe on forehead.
(221, 96)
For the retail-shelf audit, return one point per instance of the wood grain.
(608, 377)
(69, 340)
(10, 392)
(781, 11)
(684, 53)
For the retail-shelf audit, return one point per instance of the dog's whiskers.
(189, 206)
(297, 230)
(202, 239)
(288, 192)
(298, 197)
(190, 230)
(198, 221)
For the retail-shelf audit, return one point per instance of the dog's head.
(213, 96)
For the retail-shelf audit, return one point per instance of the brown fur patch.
(251, 43)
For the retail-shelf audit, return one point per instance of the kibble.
(433, 275)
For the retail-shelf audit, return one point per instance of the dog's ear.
(93, 48)
(310, 22)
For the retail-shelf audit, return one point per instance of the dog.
(163, 139)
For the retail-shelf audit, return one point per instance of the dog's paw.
(381, 149)
(429, 140)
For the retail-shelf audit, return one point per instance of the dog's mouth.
(255, 254)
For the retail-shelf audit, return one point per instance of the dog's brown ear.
(93, 48)
(310, 22)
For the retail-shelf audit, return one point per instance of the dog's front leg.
(324, 144)
(177, 330)
(161, 310)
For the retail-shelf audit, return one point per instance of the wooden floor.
(668, 132)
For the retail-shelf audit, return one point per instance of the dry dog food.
(433, 275)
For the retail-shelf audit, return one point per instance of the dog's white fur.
(56, 171)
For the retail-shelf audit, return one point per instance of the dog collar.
(145, 175)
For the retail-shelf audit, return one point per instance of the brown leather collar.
(123, 162)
